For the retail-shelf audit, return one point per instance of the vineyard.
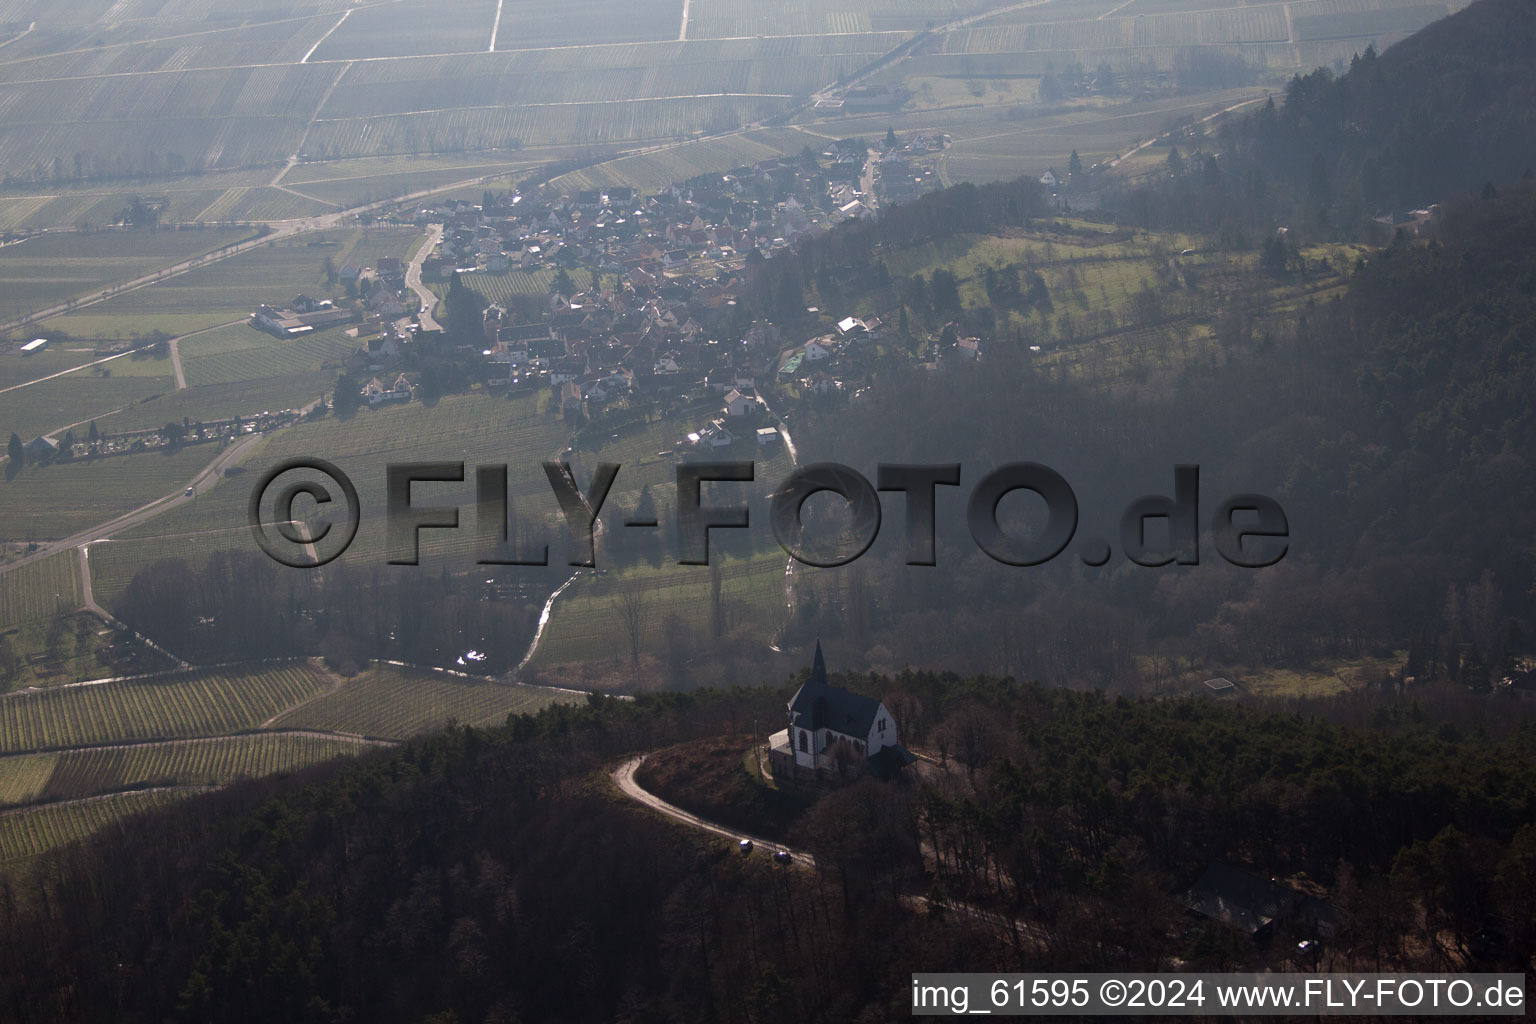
(679, 163)
(527, 23)
(472, 129)
(501, 288)
(49, 269)
(93, 754)
(36, 591)
(52, 502)
(309, 355)
(732, 18)
(217, 401)
(395, 703)
(413, 27)
(476, 428)
(28, 832)
(204, 762)
(182, 705)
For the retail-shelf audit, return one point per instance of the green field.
(396, 703)
(182, 705)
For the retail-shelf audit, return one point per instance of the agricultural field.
(219, 401)
(527, 24)
(477, 428)
(398, 703)
(205, 703)
(241, 353)
(31, 831)
(679, 163)
(206, 113)
(218, 293)
(502, 288)
(411, 28)
(54, 501)
(83, 395)
(16, 368)
(38, 590)
(51, 406)
(370, 179)
(589, 624)
(45, 270)
(731, 18)
(24, 777)
(215, 761)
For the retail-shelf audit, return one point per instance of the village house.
(375, 393)
(738, 404)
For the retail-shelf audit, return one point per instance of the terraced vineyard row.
(196, 704)
(217, 761)
(396, 703)
(27, 833)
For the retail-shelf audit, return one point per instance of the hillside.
(498, 876)
(1443, 112)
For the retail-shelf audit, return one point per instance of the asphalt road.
(413, 277)
(624, 776)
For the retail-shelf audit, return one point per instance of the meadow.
(590, 625)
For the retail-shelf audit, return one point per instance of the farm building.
(35, 345)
